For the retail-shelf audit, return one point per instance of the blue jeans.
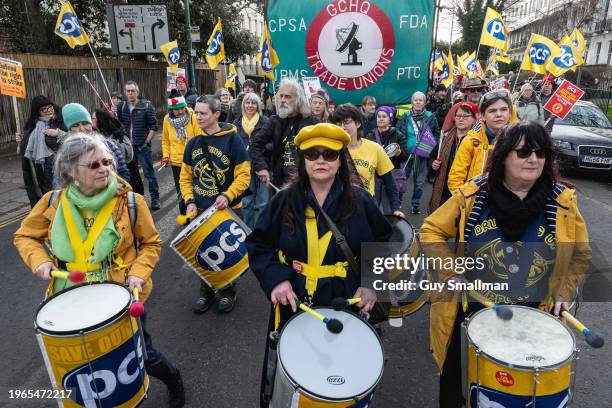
(257, 200)
(419, 165)
(145, 158)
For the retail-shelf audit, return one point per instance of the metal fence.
(61, 80)
(601, 97)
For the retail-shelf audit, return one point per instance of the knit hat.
(526, 87)
(388, 110)
(74, 113)
(182, 79)
(177, 102)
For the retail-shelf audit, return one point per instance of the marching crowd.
(487, 153)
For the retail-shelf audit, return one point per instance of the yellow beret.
(323, 135)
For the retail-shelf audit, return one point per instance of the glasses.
(463, 116)
(96, 165)
(474, 90)
(345, 122)
(525, 152)
(328, 155)
(48, 108)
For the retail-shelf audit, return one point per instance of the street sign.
(195, 34)
(141, 29)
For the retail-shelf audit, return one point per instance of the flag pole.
(110, 99)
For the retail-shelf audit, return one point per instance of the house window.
(597, 53)
(609, 52)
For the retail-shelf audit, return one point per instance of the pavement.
(220, 356)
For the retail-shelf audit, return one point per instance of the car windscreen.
(581, 115)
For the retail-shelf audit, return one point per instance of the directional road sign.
(141, 28)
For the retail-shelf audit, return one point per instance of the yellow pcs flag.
(448, 71)
(501, 56)
(68, 26)
(172, 53)
(494, 31)
(230, 80)
(569, 58)
(493, 67)
(579, 43)
(539, 52)
(266, 55)
(215, 53)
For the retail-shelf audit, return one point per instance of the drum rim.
(519, 367)
(423, 299)
(91, 328)
(414, 230)
(297, 386)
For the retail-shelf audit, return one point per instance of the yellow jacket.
(35, 230)
(449, 220)
(172, 147)
(472, 155)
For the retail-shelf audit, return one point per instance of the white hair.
(252, 97)
(418, 93)
(302, 107)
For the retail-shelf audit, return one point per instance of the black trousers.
(176, 174)
(156, 364)
(450, 380)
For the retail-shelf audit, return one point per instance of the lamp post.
(190, 67)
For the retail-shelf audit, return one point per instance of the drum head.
(530, 339)
(402, 232)
(327, 365)
(82, 307)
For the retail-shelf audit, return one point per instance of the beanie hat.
(182, 79)
(388, 110)
(526, 87)
(74, 113)
(177, 102)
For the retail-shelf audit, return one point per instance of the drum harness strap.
(313, 270)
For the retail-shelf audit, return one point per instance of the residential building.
(253, 22)
(554, 18)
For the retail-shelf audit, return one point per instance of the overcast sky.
(444, 27)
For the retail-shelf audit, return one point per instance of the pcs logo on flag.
(496, 29)
(70, 25)
(215, 44)
(539, 53)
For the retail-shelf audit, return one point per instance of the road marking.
(582, 194)
(14, 219)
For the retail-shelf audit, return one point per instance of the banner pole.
(110, 99)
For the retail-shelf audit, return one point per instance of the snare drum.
(213, 246)
(317, 368)
(404, 303)
(91, 346)
(527, 361)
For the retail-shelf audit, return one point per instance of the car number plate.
(597, 159)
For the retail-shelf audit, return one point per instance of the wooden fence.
(61, 79)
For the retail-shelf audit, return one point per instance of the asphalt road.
(220, 355)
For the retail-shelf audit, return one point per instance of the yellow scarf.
(249, 124)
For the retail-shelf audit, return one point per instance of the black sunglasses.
(96, 165)
(328, 155)
(525, 152)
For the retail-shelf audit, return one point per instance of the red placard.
(563, 100)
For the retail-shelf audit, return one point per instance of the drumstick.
(333, 325)
(161, 168)
(593, 338)
(273, 186)
(502, 311)
(340, 303)
(182, 219)
(73, 276)
(136, 308)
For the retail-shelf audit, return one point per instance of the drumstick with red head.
(72, 276)
(592, 338)
(339, 303)
(136, 308)
(333, 325)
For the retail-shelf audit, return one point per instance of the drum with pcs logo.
(527, 361)
(91, 346)
(213, 245)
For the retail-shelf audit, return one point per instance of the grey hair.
(418, 93)
(302, 105)
(71, 151)
(220, 90)
(252, 97)
(132, 83)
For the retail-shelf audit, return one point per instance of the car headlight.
(562, 144)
